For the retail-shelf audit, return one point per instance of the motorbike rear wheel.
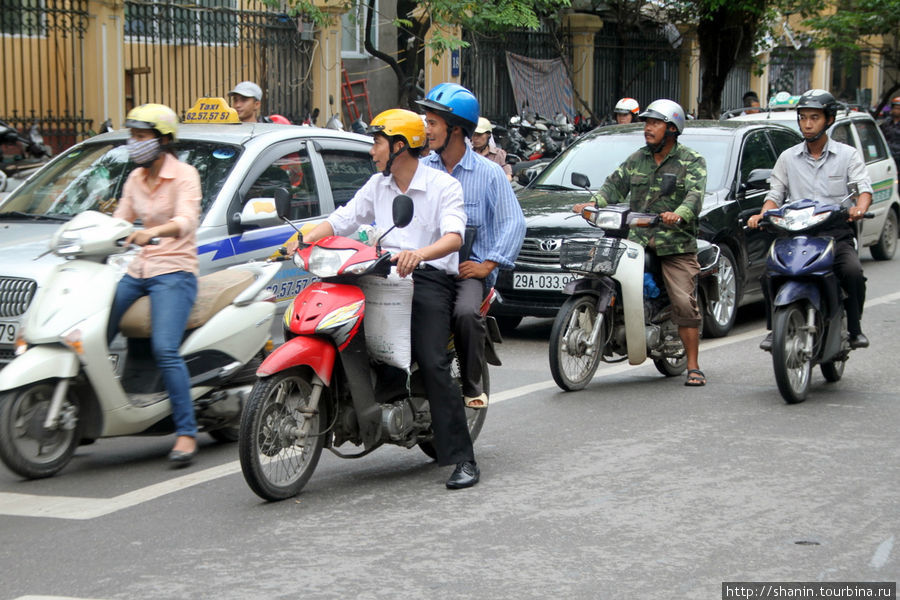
(276, 458)
(833, 371)
(571, 365)
(26, 446)
(671, 367)
(792, 366)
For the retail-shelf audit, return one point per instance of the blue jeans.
(172, 296)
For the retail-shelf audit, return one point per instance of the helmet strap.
(390, 162)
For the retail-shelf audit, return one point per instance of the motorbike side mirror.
(402, 210)
(581, 180)
(853, 188)
(668, 184)
(282, 202)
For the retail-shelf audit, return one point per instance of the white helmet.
(627, 105)
(665, 110)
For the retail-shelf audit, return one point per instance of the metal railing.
(42, 51)
(178, 52)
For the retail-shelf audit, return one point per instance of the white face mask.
(143, 153)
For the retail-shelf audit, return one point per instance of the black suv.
(739, 158)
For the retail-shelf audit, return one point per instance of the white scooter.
(63, 388)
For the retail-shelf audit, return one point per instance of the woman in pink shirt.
(164, 194)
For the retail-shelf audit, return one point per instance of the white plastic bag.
(387, 322)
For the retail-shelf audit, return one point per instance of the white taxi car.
(322, 169)
(857, 129)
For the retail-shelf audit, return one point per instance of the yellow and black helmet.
(158, 117)
(398, 121)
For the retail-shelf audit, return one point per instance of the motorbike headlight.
(798, 220)
(359, 268)
(326, 262)
(608, 219)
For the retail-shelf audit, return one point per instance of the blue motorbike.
(809, 323)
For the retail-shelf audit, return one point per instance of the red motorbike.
(320, 389)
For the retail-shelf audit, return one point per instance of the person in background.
(483, 144)
(890, 126)
(245, 99)
(164, 194)
(626, 111)
(750, 102)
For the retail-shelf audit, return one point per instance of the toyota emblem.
(551, 245)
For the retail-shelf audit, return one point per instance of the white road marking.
(68, 507)
(51, 598)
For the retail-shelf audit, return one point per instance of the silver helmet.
(665, 110)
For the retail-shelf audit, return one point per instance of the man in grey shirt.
(821, 169)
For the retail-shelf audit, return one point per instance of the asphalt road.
(636, 487)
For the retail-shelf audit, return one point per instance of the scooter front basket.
(600, 255)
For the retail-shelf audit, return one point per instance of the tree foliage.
(416, 18)
(857, 26)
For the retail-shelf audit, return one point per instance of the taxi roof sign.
(783, 100)
(211, 110)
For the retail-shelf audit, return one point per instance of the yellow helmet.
(153, 116)
(398, 121)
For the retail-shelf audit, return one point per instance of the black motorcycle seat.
(214, 292)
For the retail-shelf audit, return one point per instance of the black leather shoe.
(766, 344)
(179, 458)
(466, 474)
(859, 341)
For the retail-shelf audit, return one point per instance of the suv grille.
(540, 251)
(15, 295)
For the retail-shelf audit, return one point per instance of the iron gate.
(178, 52)
(41, 50)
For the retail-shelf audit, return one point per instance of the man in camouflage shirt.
(668, 179)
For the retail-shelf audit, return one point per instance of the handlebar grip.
(869, 215)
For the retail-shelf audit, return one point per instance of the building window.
(203, 22)
(22, 17)
(353, 25)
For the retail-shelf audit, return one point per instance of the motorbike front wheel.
(26, 446)
(280, 439)
(790, 359)
(573, 361)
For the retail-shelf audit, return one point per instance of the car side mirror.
(258, 212)
(581, 180)
(758, 179)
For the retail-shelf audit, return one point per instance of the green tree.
(416, 18)
(856, 26)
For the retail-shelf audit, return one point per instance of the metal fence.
(178, 52)
(790, 70)
(41, 50)
(637, 64)
(736, 85)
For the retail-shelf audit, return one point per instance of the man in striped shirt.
(451, 115)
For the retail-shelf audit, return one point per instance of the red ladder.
(349, 96)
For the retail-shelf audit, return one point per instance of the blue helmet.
(453, 102)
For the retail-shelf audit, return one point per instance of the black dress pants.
(432, 309)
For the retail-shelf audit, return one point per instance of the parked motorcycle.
(62, 389)
(615, 311)
(321, 389)
(34, 155)
(809, 322)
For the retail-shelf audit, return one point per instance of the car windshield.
(600, 156)
(91, 177)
